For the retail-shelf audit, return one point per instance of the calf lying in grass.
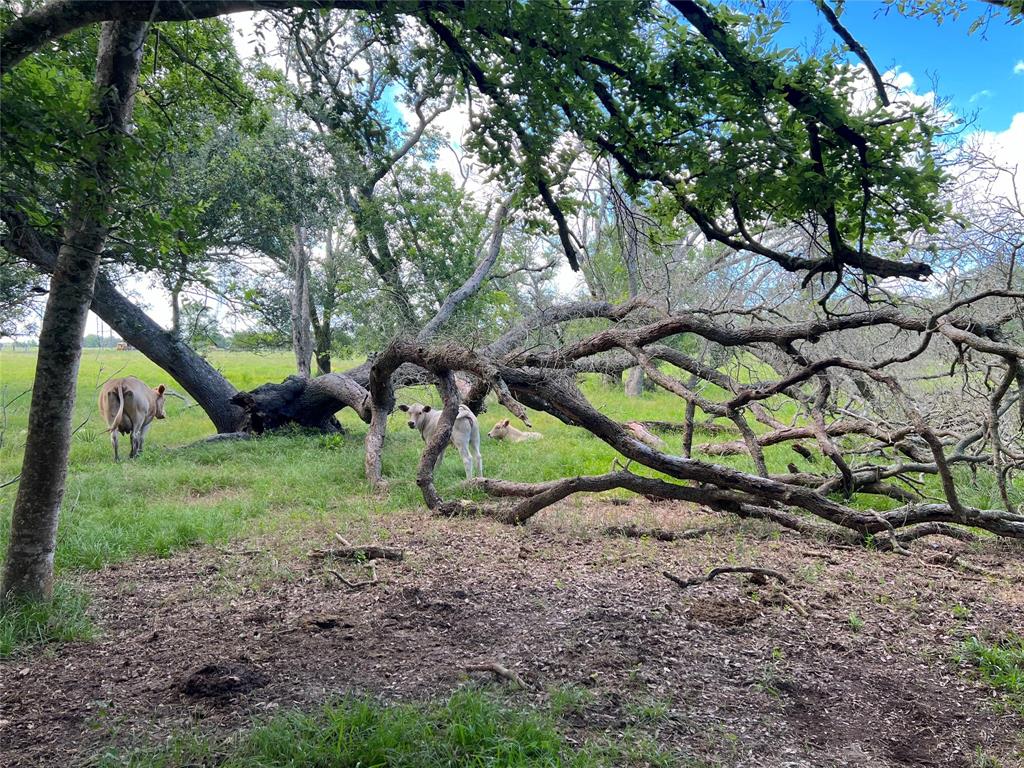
(465, 433)
(505, 431)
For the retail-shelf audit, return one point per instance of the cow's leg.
(467, 459)
(136, 442)
(142, 436)
(113, 439)
(476, 447)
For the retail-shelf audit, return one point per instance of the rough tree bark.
(629, 237)
(176, 310)
(302, 337)
(323, 333)
(28, 569)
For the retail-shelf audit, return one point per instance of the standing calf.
(505, 431)
(129, 406)
(465, 433)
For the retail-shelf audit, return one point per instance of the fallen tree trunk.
(310, 403)
(780, 499)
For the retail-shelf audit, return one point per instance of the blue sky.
(975, 71)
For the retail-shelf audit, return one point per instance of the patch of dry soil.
(212, 639)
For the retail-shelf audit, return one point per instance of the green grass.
(24, 625)
(472, 729)
(570, 700)
(1000, 665)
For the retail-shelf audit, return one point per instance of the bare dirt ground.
(727, 672)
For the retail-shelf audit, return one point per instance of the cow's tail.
(120, 408)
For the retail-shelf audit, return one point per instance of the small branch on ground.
(796, 605)
(239, 552)
(885, 544)
(500, 671)
(356, 584)
(632, 531)
(359, 552)
(953, 562)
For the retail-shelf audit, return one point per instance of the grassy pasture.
(179, 493)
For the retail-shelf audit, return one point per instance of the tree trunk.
(635, 382)
(631, 257)
(307, 402)
(323, 335)
(322, 338)
(28, 569)
(302, 338)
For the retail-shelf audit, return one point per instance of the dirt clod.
(222, 680)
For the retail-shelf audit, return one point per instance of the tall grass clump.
(1000, 665)
(28, 624)
(472, 729)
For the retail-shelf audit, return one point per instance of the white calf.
(465, 433)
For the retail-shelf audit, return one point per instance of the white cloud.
(1018, 68)
(1007, 149)
(983, 94)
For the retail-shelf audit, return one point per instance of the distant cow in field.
(123, 346)
(465, 433)
(503, 430)
(129, 407)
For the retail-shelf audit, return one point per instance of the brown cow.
(129, 406)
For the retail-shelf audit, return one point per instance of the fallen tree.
(893, 428)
